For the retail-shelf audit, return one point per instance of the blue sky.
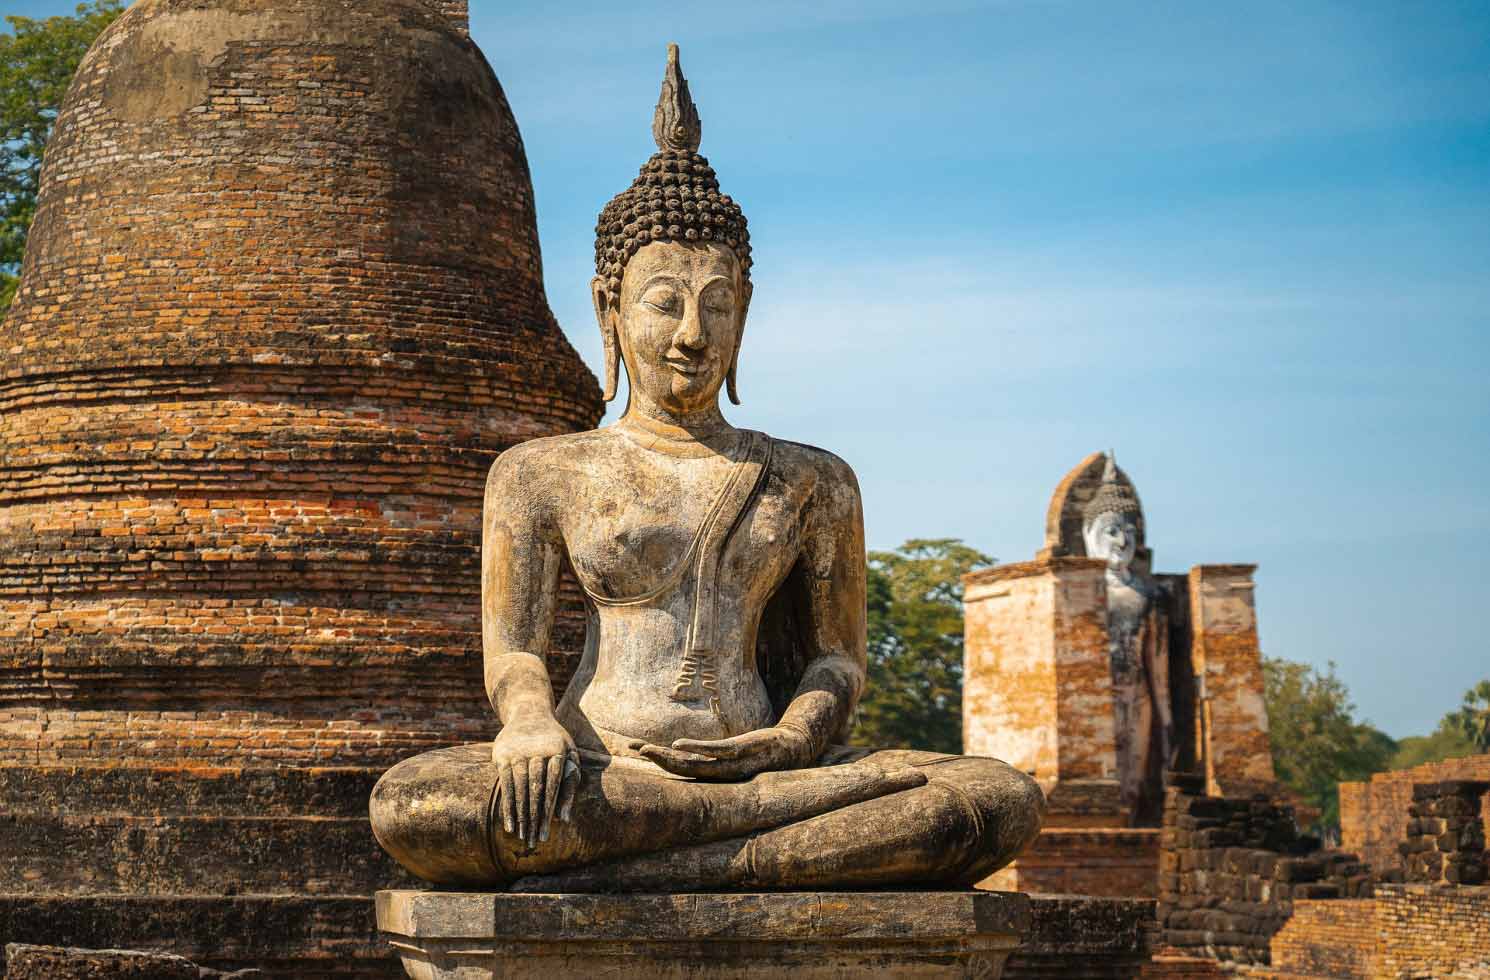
(1247, 245)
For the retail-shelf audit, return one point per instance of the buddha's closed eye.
(663, 301)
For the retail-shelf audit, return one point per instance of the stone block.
(804, 935)
(25, 962)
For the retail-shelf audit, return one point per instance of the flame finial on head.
(675, 125)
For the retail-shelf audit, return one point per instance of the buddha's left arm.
(833, 574)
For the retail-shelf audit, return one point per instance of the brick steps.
(193, 855)
(187, 790)
(190, 830)
(309, 938)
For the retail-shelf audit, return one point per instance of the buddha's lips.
(685, 367)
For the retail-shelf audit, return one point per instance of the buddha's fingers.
(520, 798)
(537, 803)
(570, 785)
(507, 796)
(553, 775)
(695, 766)
(723, 748)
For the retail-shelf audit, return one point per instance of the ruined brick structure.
(1239, 885)
(1445, 839)
(1232, 869)
(281, 306)
(1038, 693)
(1088, 938)
(1374, 814)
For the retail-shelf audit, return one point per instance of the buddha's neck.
(645, 413)
(685, 433)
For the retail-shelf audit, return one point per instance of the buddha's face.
(681, 312)
(1113, 537)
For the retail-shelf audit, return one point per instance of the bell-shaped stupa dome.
(282, 305)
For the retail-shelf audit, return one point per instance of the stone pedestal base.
(802, 935)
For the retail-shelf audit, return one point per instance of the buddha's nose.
(690, 333)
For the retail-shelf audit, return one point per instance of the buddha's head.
(1110, 521)
(672, 263)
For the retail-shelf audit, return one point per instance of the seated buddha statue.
(699, 745)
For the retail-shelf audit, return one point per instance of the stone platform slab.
(802, 935)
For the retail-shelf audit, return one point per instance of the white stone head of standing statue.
(1110, 522)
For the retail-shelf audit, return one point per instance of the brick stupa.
(281, 307)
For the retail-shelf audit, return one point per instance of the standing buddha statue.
(1137, 643)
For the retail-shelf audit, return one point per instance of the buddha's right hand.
(538, 774)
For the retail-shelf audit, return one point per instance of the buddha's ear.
(734, 362)
(605, 315)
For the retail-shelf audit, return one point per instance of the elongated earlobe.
(608, 340)
(730, 383)
(729, 379)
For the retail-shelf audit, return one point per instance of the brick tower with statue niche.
(281, 307)
(1098, 677)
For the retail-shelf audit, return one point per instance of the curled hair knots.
(675, 197)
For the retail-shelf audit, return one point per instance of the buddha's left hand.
(729, 759)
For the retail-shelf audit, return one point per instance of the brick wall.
(1076, 937)
(1230, 871)
(1226, 660)
(1428, 931)
(1329, 939)
(1445, 839)
(1374, 814)
(281, 307)
(1404, 932)
(1116, 862)
(1038, 690)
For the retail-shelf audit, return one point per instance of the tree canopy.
(1472, 720)
(37, 61)
(914, 694)
(1316, 740)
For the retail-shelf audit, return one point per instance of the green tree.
(1317, 741)
(1446, 742)
(37, 62)
(914, 693)
(1473, 718)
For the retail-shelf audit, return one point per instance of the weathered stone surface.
(698, 748)
(325, 937)
(24, 962)
(444, 935)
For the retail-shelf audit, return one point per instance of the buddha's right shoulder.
(532, 462)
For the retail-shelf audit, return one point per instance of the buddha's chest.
(626, 543)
